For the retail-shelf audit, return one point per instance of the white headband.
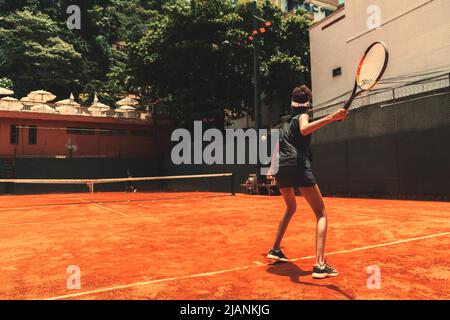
(299, 105)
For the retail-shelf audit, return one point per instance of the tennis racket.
(370, 70)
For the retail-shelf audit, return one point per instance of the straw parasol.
(41, 96)
(10, 103)
(5, 92)
(68, 102)
(127, 102)
(125, 109)
(26, 101)
(42, 108)
(8, 100)
(67, 110)
(98, 106)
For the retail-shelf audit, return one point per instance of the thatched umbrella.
(68, 106)
(98, 107)
(125, 109)
(5, 92)
(127, 102)
(27, 101)
(68, 102)
(44, 108)
(41, 96)
(10, 103)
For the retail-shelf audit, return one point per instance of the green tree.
(6, 83)
(287, 60)
(191, 55)
(32, 54)
(195, 57)
(190, 58)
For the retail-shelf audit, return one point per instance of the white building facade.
(417, 33)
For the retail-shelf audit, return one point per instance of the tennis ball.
(263, 138)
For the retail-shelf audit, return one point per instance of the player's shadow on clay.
(294, 272)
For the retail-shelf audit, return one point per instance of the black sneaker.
(277, 255)
(324, 271)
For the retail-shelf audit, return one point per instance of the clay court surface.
(213, 246)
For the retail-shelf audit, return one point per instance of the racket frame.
(361, 62)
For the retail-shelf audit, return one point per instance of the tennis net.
(221, 182)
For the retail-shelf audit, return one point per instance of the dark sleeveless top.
(295, 148)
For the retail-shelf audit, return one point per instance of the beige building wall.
(417, 33)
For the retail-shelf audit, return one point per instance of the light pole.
(256, 70)
(257, 31)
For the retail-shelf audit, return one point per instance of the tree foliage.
(33, 54)
(190, 56)
(196, 58)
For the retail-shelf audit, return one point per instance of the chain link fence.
(388, 148)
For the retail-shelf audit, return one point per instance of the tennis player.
(294, 172)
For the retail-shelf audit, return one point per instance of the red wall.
(52, 142)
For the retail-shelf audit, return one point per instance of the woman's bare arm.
(306, 127)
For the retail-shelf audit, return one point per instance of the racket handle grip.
(348, 104)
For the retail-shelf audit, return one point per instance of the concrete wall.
(399, 149)
(417, 33)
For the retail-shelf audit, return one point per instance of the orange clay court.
(213, 246)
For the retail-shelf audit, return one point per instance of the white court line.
(25, 223)
(105, 208)
(206, 274)
(41, 206)
(63, 204)
(378, 245)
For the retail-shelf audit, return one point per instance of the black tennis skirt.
(295, 177)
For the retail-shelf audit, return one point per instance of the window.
(14, 134)
(81, 131)
(32, 135)
(337, 72)
(112, 132)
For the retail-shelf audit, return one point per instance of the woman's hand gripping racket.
(370, 70)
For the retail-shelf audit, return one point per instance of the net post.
(91, 186)
(233, 191)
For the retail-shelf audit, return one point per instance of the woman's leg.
(315, 201)
(291, 206)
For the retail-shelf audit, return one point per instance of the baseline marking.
(206, 274)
